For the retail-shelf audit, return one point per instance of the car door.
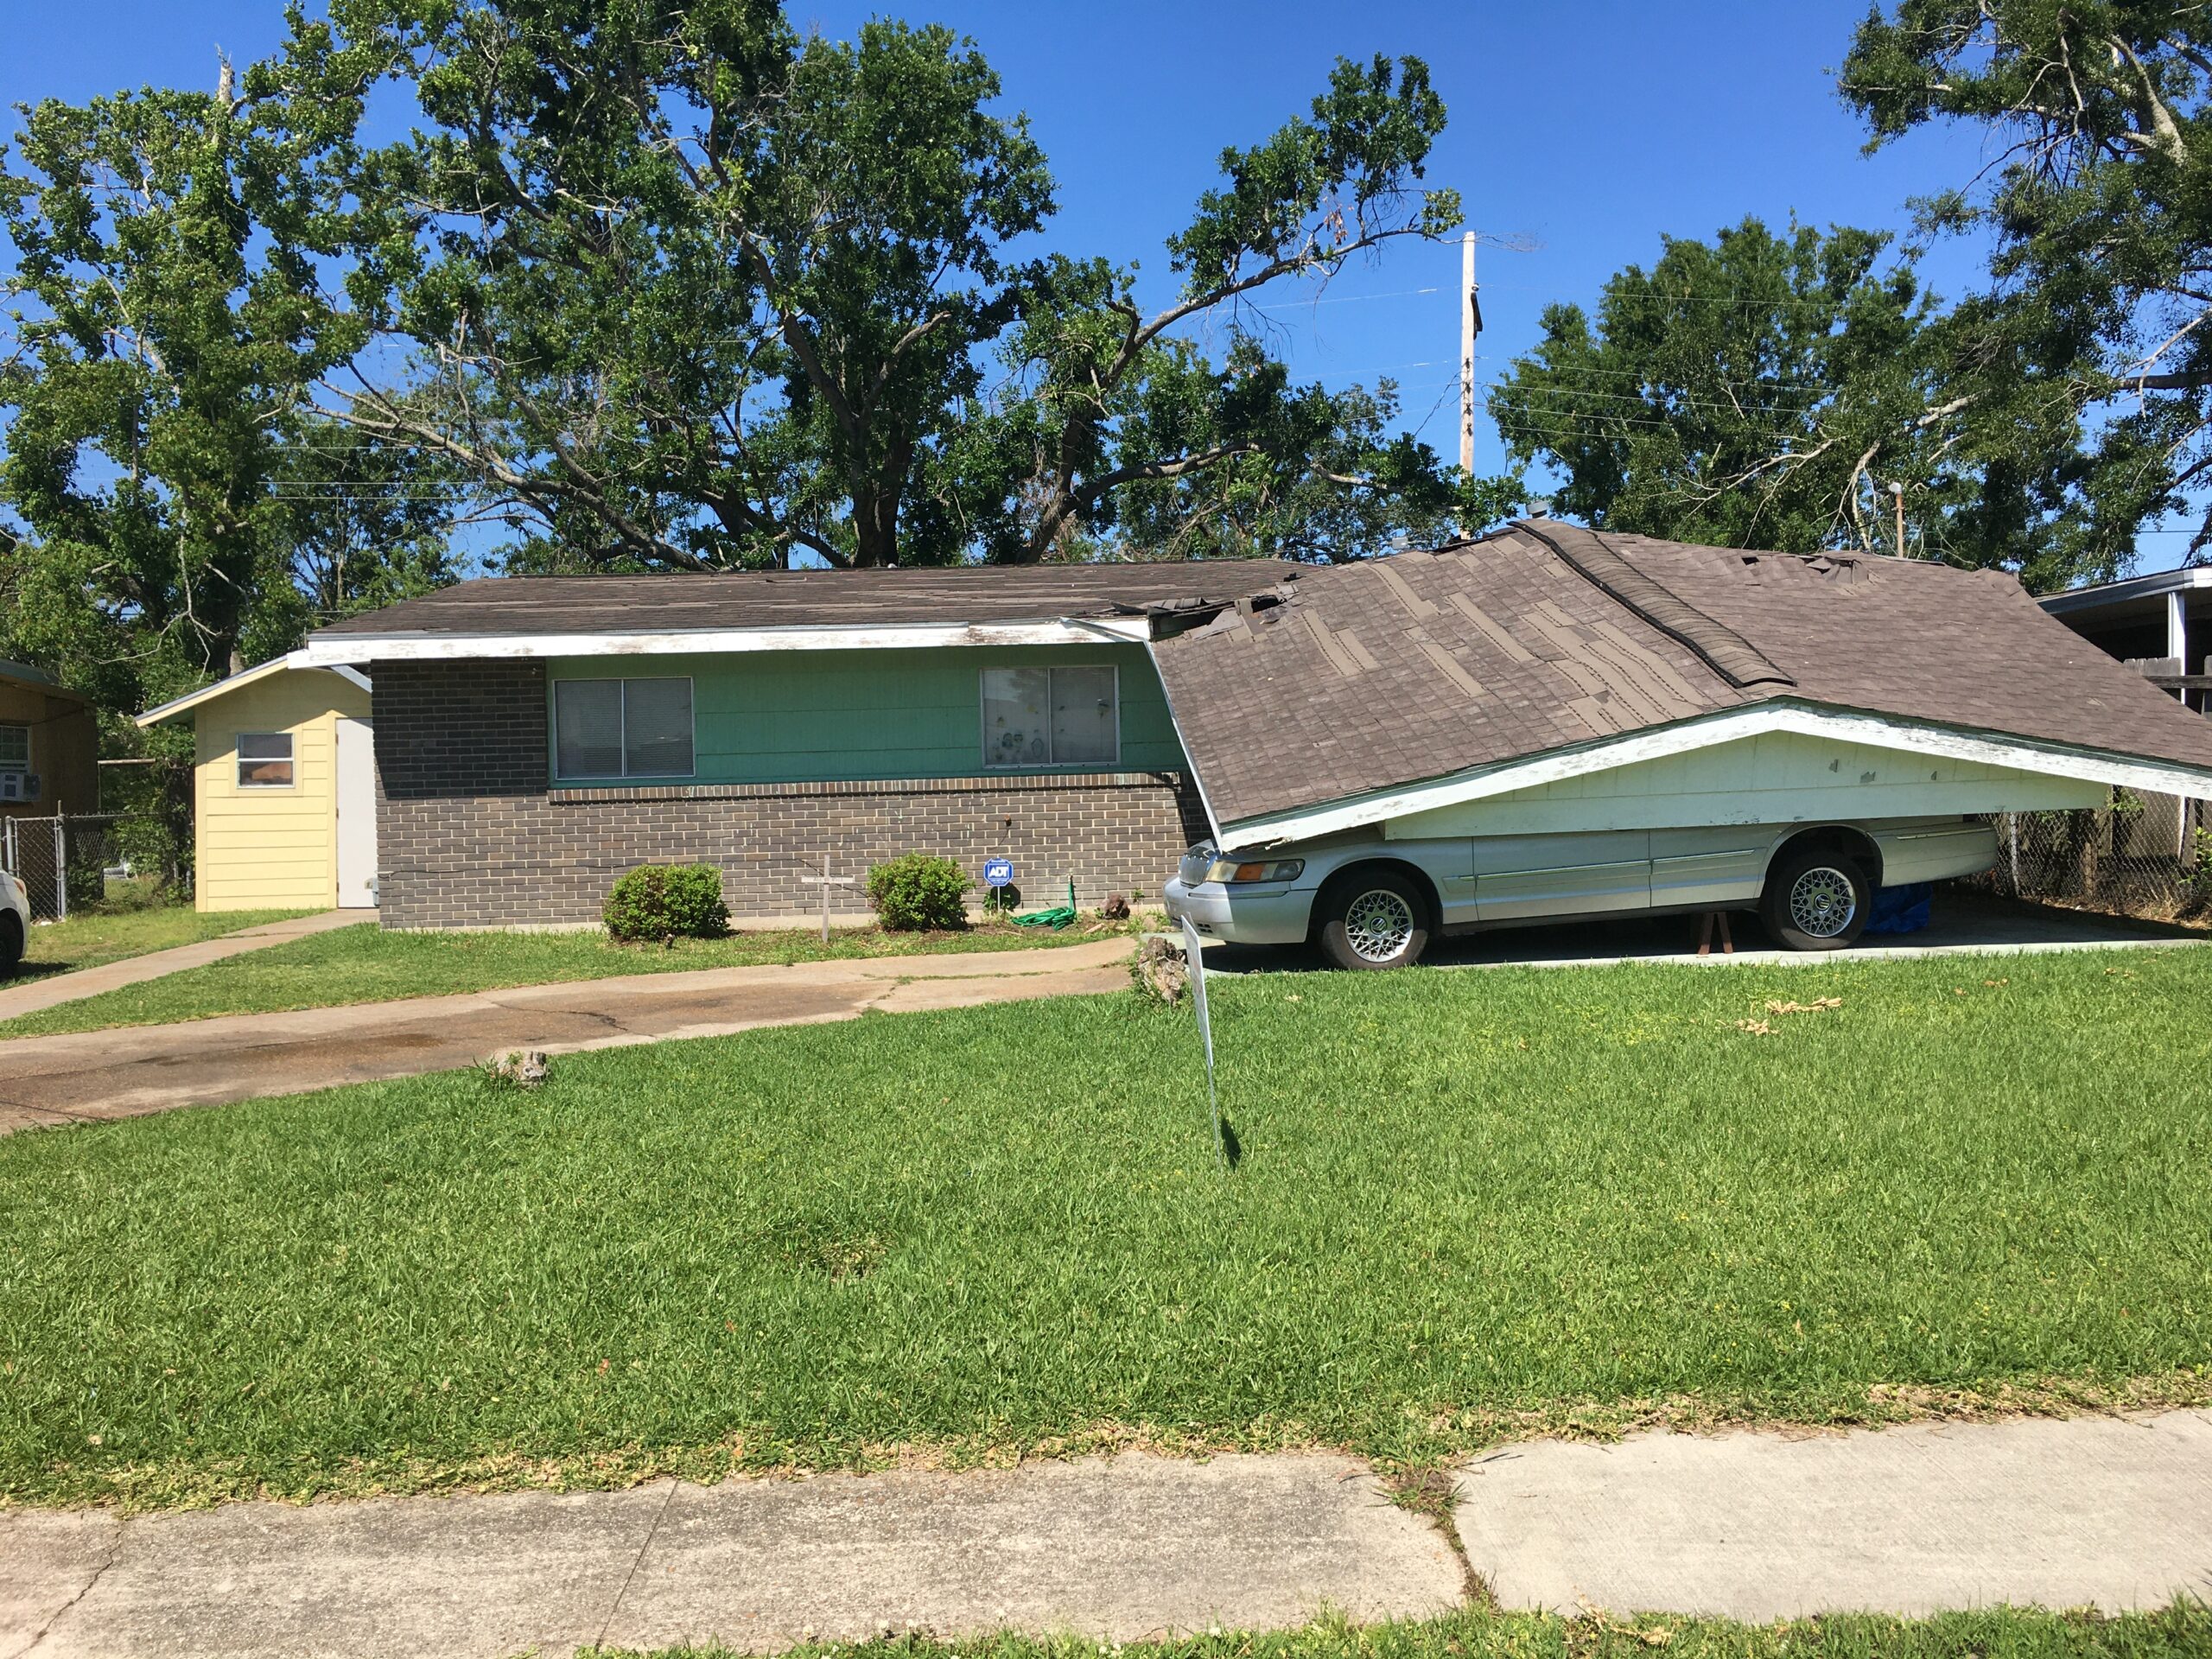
(1719, 865)
(1583, 874)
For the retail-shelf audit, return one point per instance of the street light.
(1897, 495)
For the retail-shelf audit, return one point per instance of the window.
(622, 728)
(264, 759)
(15, 748)
(1051, 716)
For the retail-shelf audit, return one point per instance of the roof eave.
(1657, 742)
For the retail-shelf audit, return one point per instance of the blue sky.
(1589, 127)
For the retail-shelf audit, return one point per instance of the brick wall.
(469, 835)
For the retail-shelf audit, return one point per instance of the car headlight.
(1280, 869)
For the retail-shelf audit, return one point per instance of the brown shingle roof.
(773, 598)
(1545, 636)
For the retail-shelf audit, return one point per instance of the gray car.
(15, 922)
(1371, 901)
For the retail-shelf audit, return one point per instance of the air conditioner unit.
(19, 786)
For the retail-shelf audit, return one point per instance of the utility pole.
(1897, 495)
(1471, 324)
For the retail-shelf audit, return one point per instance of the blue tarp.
(1901, 910)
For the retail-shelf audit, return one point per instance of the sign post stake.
(1193, 957)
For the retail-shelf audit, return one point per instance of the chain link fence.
(63, 862)
(2147, 855)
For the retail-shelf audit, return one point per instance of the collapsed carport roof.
(1364, 691)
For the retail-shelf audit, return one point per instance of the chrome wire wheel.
(1378, 925)
(1822, 902)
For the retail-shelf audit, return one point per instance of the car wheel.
(11, 941)
(1373, 918)
(1816, 900)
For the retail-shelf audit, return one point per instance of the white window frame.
(1054, 763)
(240, 763)
(622, 728)
(23, 767)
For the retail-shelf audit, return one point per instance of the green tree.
(693, 290)
(2097, 206)
(1762, 391)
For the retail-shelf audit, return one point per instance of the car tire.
(11, 942)
(1373, 918)
(1815, 900)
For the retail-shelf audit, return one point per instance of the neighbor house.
(49, 746)
(283, 795)
(535, 737)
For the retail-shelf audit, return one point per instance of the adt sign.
(998, 872)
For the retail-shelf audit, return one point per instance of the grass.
(1992, 1633)
(366, 964)
(1469, 1205)
(88, 939)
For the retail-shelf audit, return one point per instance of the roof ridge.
(1720, 647)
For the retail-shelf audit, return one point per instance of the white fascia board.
(2090, 766)
(357, 648)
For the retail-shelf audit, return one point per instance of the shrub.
(919, 892)
(667, 901)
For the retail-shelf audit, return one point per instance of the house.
(49, 746)
(1550, 680)
(283, 788)
(538, 736)
(535, 737)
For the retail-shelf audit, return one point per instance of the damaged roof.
(522, 606)
(1545, 636)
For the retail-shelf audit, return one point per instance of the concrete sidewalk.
(2100, 1511)
(2110, 1512)
(34, 994)
(1124, 1550)
(86, 1076)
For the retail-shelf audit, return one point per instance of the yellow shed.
(284, 792)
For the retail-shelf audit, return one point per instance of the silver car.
(1372, 902)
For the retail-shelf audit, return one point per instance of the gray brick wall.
(469, 835)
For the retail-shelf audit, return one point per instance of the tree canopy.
(2097, 200)
(695, 290)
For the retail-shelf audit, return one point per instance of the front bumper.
(1271, 912)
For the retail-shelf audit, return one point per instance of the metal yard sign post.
(1194, 957)
(825, 881)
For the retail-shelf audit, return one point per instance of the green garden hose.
(1055, 918)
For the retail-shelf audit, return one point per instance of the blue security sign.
(998, 872)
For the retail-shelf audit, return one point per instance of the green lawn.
(91, 938)
(1999, 1633)
(366, 964)
(1468, 1204)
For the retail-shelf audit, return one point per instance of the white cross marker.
(825, 881)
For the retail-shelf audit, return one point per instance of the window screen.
(1051, 716)
(1084, 726)
(15, 748)
(657, 729)
(622, 728)
(588, 728)
(264, 759)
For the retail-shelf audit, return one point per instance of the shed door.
(357, 815)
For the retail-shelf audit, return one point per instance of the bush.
(667, 901)
(919, 892)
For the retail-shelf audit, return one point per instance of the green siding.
(804, 717)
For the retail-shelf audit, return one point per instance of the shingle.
(1558, 657)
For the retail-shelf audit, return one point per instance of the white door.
(357, 815)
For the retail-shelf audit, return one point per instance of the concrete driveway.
(1965, 924)
(87, 1075)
